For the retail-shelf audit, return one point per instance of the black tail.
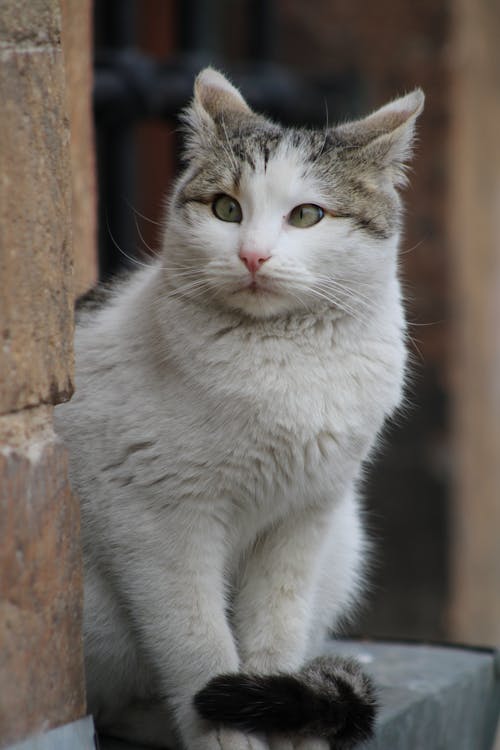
(330, 698)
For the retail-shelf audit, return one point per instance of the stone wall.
(474, 218)
(41, 665)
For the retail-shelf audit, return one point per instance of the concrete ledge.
(432, 697)
(79, 735)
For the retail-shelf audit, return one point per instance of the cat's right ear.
(215, 99)
(215, 95)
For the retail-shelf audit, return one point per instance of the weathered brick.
(30, 22)
(41, 664)
(77, 48)
(36, 303)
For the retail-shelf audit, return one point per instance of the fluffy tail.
(330, 697)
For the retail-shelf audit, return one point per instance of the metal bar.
(115, 22)
(129, 85)
(262, 26)
(199, 30)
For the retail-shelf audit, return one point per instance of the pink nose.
(253, 259)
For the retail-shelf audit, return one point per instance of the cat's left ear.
(384, 139)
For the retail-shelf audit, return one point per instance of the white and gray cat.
(226, 398)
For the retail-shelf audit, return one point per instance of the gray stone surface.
(437, 698)
(79, 735)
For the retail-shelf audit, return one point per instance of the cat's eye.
(227, 208)
(305, 215)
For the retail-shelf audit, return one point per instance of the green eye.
(305, 215)
(227, 208)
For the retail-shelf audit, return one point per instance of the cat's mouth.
(259, 295)
(256, 286)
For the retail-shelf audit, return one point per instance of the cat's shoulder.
(91, 301)
(100, 296)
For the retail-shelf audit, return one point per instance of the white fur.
(216, 439)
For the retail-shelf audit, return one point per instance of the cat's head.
(268, 220)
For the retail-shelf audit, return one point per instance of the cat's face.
(268, 220)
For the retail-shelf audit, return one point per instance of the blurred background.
(433, 494)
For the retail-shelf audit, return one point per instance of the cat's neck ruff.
(213, 318)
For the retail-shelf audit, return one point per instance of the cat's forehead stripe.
(221, 166)
(255, 148)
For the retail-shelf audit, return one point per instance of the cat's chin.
(260, 302)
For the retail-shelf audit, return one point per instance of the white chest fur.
(287, 411)
(255, 416)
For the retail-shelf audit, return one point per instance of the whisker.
(342, 283)
(143, 216)
(339, 304)
(331, 287)
(357, 282)
(191, 285)
(154, 253)
(413, 341)
(126, 255)
(230, 153)
(353, 294)
(414, 247)
(425, 325)
(328, 289)
(303, 302)
(326, 132)
(182, 269)
(179, 270)
(187, 290)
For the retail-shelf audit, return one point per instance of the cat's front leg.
(274, 615)
(174, 594)
(274, 601)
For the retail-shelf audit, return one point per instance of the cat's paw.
(346, 702)
(223, 738)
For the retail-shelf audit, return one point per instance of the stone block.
(36, 303)
(41, 661)
(30, 22)
(77, 48)
(79, 735)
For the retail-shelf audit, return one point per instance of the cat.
(227, 396)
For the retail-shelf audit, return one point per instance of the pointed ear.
(214, 97)
(384, 139)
